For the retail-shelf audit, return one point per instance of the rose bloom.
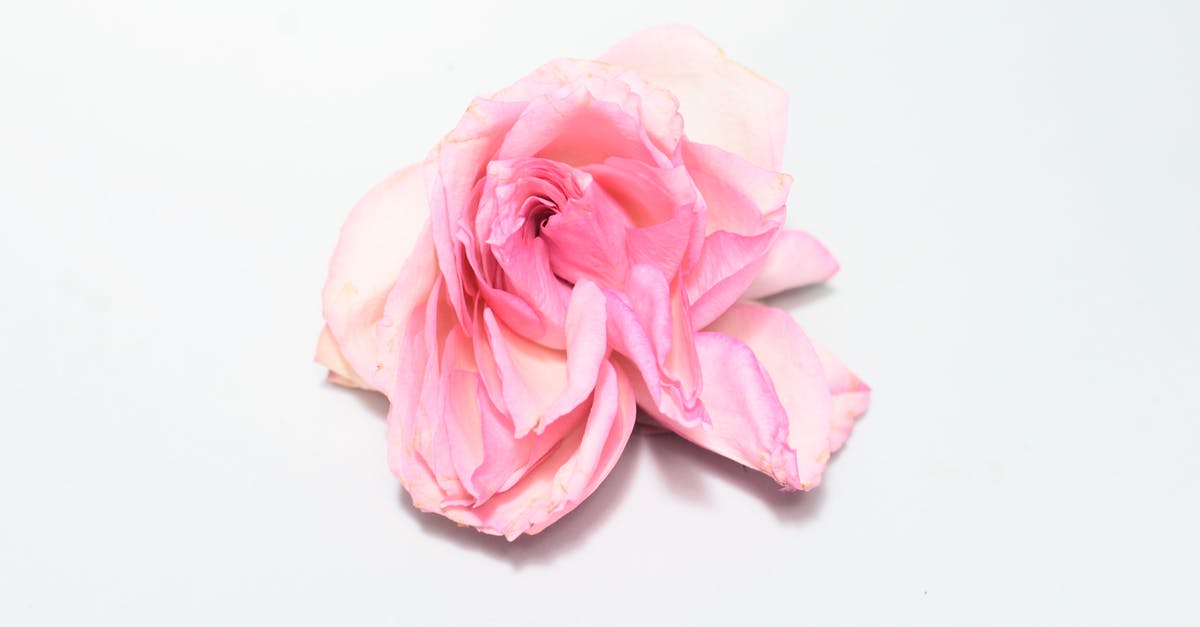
(584, 244)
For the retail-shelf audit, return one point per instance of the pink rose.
(578, 247)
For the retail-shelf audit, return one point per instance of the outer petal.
(375, 241)
(330, 356)
(850, 397)
(795, 260)
(722, 102)
(766, 395)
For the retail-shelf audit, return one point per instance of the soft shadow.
(687, 469)
(569, 534)
(800, 296)
(374, 402)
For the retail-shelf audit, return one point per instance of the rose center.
(541, 217)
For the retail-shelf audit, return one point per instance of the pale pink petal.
(766, 395)
(664, 207)
(587, 349)
(340, 371)
(408, 436)
(722, 103)
(740, 195)
(728, 264)
(650, 324)
(541, 384)
(851, 397)
(795, 260)
(745, 209)
(576, 128)
(531, 375)
(457, 163)
(569, 474)
(408, 297)
(377, 238)
(654, 107)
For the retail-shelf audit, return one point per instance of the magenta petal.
(795, 260)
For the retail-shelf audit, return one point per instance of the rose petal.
(745, 208)
(541, 384)
(766, 395)
(851, 397)
(458, 162)
(340, 371)
(650, 325)
(566, 476)
(796, 259)
(722, 102)
(373, 251)
(654, 107)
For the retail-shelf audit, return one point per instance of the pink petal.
(566, 476)
(722, 102)
(541, 384)
(654, 107)
(664, 207)
(766, 395)
(340, 371)
(587, 348)
(650, 324)
(851, 397)
(575, 128)
(728, 264)
(373, 251)
(740, 195)
(745, 208)
(408, 297)
(457, 163)
(586, 239)
(795, 260)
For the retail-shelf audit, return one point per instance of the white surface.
(1012, 189)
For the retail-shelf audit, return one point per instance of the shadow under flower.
(795, 298)
(688, 470)
(373, 401)
(569, 534)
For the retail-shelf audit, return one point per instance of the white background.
(1012, 189)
